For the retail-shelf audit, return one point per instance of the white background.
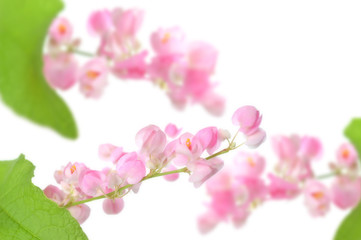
(297, 61)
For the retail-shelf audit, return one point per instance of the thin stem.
(226, 150)
(327, 175)
(83, 53)
(111, 194)
(152, 175)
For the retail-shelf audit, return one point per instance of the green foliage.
(23, 27)
(350, 227)
(353, 133)
(25, 212)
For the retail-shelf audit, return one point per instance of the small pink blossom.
(61, 31)
(54, 193)
(240, 216)
(202, 56)
(222, 181)
(256, 139)
(249, 164)
(196, 84)
(80, 212)
(172, 131)
(100, 22)
(214, 103)
(209, 138)
(207, 222)
(347, 155)
(109, 152)
(203, 169)
(282, 189)
(130, 168)
(169, 41)
(256, 188)
(128, 22)
(134, 67)
(92, 183)
(346, 192)
(72, 172)
(93, 77)
(310, 147)
(60, 71)
(113, 206)
(151, 140)
(317, 198)
(248, 119)
(186, 149)
(285, 147)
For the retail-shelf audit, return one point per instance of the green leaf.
(353, 133)
(25, 212)
(23, 27)
(350, 227)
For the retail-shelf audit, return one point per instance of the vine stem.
(80, 52)
(327, 175)
(114, 193)
(151, 175)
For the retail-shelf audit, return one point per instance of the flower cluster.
(160, 153)
(236, 191)
(182, 68)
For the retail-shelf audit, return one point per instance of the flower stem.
(111, 194)
(83, 53)
(327, 175)
(149, 176)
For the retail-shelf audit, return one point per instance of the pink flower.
(100, 22)
(285, 147)
(214, 103)
(256, 188)
(346, 192)
(72, 172)
(92, 183)
(113, 206)
(248, 119)
(196, 84)
(130, 168)
(151, 140)
(171, 177)
(249, 164)
(240, 216)
(203, 169)
(128, 22)
(133, 67)
(186, 149)
(93, 77)
(256, 139)
(223, 203)
(310, 147)
(220, 182)
(282, 189)
(54, 193)
(169, 41)
(80, 212)
(207, 222)
(109, 152)
(317, 198)
(172, 131)
(60, 71)
(347, 155)
(202, 56)
(61, 31)
(209, 138)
